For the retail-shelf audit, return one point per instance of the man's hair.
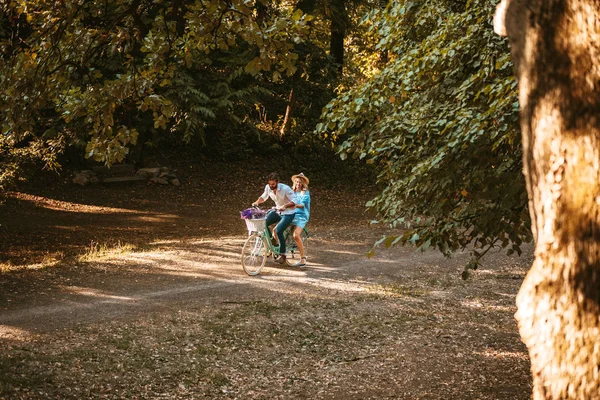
(273, 176)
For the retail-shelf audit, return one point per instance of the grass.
(405, 290)
(95, 252)
(288, 347)
(444, 282)
(7, 267)
(12, 368)
(219, 380)
(167, 350)
(102, 251)
(48, 261)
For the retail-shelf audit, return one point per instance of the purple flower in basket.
(247, 213)
(252, 213)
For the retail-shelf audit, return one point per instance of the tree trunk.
(556, 49)
(307, 7)
(287, 120)
(384, 56)
(262, 12)
(338, 33)
(336, 46)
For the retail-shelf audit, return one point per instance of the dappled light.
(11, 333)
(399, 310)
(66, 206)
(354, 253)
(90, 292)
(491, 353)
(133, 138)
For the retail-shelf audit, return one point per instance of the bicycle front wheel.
(254, 254)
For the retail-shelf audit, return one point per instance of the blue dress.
(302, 214)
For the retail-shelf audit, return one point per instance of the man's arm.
(290, 204)
(263, 197)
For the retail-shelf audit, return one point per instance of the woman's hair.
(304, 185)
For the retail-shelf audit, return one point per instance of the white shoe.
(301, 263)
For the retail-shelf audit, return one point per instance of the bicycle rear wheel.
(254, 254)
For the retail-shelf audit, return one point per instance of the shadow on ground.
(138, 292)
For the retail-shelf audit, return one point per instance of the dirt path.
(175, 316)
(209, 271)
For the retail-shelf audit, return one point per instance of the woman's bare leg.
(297, 238)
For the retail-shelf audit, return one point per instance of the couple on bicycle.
(292, 208)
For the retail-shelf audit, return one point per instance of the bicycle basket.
(255, 225)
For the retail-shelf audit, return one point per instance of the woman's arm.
(304, 202)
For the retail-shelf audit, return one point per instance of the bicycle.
(258, 246)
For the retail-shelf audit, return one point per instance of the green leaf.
(444, 137)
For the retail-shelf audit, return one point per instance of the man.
(283, 196)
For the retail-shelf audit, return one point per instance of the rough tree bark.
(384, 56)
(307, 7)
(555, 45)
(287, 120)
(338, 18)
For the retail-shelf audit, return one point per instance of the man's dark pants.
(283, 222)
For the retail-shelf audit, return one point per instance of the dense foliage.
(105, 74)
(440, 122)
(427, 96)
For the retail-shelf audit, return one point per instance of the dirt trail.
(179, 242)
(399, 325)
(204, 271)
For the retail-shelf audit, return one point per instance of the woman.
(302, 216)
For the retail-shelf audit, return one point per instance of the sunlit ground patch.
(50, 260)
(95, 293)
(67, 206)
(498, 354)
(12, 333)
